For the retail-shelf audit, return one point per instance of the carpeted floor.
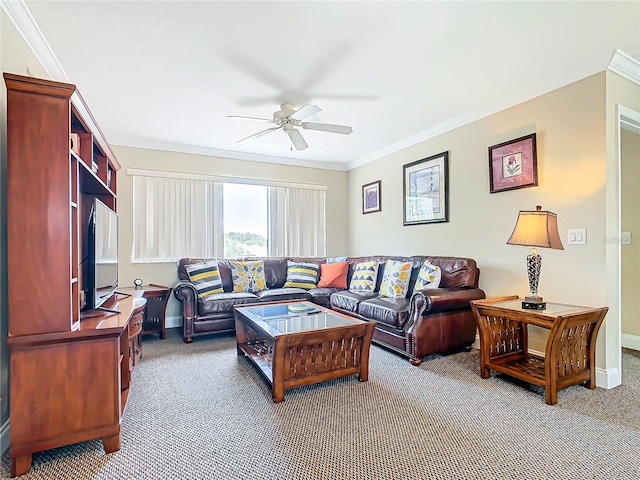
(201, 412)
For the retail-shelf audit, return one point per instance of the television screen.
(103, 253)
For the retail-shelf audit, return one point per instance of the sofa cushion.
(334, 275)
(285, 293)
(322, 296)
(224, 302)
(301, 275)
(390, 311)
(347, 300)
(205, 277)
(248, 276)
(429, 276)
(364, 277)
(395, 279)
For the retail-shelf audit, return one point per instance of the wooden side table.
(570, 351)
(154, 320)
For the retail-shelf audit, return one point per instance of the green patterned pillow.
(302, 275)
(428, 277)
(248, 276)
(206, 278)
(364, 277)
(395, 279)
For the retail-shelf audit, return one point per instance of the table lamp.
(536, 228)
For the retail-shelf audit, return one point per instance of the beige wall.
(630, 189)
(15, 57)
(165, 273)
(569, 123)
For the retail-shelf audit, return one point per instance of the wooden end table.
(154, 319)
(570, 351)
(298, 343)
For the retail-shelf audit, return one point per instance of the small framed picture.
(425, 187)
(372, 197)
(513, 164)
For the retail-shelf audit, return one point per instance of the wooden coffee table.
(300, 343)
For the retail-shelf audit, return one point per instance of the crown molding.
(24, 22)
(149, 144)
(625, 66)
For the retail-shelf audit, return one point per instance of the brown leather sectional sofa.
(440, 320)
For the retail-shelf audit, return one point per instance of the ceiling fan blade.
(327, 127)
(296, 139)
(268, 120)
(256, 135)
(305, 111)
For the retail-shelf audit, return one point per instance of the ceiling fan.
(287, 119)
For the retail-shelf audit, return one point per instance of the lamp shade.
(536, 228)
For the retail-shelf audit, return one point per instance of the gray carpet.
(200, 412)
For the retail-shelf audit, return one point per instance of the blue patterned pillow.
(302, 275)
(364, 277)
(206, 278)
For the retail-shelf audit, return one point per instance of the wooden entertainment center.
(70, 371)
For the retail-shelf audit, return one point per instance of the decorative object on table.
(372, 197)
(536, 228)
(513, 164)
(425, 190)
(138, 283)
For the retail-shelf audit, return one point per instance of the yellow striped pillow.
(302, 275)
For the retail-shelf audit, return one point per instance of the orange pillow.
(333, 275)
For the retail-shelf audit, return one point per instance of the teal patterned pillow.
(364, 277)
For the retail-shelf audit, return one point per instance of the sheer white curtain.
(297, 222)
(176, 218)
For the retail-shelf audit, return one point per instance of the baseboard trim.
(4, 437)
(173, 322)
(631, 341)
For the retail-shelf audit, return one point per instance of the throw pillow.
(428, 277)
(301, 275)
(248, 276)
(395, 279)
(364, 277)
(336, 259)
(333, 275)
(206, 278)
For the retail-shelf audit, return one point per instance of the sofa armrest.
(187, 294)
(445, 299)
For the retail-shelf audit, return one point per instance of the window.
(245, 220)
(181, 215)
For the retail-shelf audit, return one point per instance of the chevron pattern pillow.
(206, 278)
(364, 277)
(302, 275)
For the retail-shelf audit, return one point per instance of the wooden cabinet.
(69, 373)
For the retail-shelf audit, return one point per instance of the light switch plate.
(577, 236)
(625, 238)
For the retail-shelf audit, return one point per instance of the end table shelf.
(157, 296)
(570, 351)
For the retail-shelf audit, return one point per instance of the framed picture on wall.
(372, 197)
(425, 188)
(513, 164)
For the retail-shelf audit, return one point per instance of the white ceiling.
(165, 74)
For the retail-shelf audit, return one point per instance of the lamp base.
(533, 302)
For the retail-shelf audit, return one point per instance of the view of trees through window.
(245, 220)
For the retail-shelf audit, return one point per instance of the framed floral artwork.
(425, 188)
(513, 164)
(372, 197)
